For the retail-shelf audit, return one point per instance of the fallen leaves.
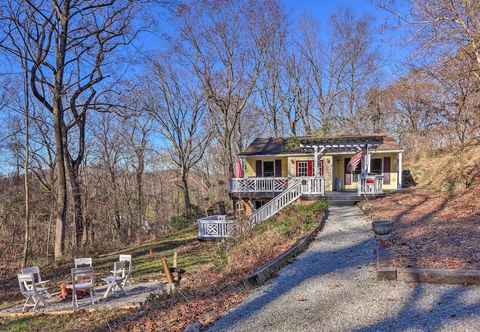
(432, 230)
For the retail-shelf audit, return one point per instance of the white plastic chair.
(35, 270)
(83, 279)
(29, 289)
(128, 270)
(83, 262)
(120, 274)
(117, 279)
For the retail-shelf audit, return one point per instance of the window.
(302, 168)
(376, 166)
(268, 169)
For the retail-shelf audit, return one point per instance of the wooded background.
(103, 145)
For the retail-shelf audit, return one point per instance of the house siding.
(333, 168)
(250, 165)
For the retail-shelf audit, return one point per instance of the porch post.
(369, 162)
(315, 161)
(399, 170)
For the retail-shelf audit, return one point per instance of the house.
(320, 163)
(272, 173)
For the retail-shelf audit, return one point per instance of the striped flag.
(355, 161)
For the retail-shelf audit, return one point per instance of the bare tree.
(225, 44)
(67, 47)
(179, 109)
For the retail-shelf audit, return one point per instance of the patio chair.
(35, 270)
(118, 278)
(83, 279)
(83, 262)
(128, 270)
(29, 289)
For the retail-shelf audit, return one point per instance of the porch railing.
(370, 185)
(310, 185)
(254, 184)
(214, 227)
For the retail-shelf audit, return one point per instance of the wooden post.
(175, 259)
(168, 275)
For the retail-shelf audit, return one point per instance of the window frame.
(299, 166)
(381, 166)
(273, 168)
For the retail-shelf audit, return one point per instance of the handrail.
(292, 193)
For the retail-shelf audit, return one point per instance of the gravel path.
(332, 287)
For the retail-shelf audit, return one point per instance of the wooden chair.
(83, 262)
(29, 289)
(83, 279)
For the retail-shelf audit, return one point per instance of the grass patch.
(269, 238)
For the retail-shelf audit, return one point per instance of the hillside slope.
(437, 223)
(453, 170)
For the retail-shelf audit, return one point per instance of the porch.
(242, 187)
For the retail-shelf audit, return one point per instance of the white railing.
(313, 185)
(310, 185)
(213, 227)
(370, 185)
(293, 192)
(293, 188)
(245, 185)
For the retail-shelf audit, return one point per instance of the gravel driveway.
(332, 287)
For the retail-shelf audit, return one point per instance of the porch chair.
(83, 262)
(35, 270)
(83, 279)
(29, 289)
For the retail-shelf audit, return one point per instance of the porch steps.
(338, 198)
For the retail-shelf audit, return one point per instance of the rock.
(193, 327)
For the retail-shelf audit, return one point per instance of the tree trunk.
(61, 195)
(77, 207)
(140, 204)
(186, 195)
(26, 166)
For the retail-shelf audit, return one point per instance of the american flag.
(355, 161)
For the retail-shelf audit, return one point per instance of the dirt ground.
(432, 229)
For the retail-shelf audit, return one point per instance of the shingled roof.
(296, 145)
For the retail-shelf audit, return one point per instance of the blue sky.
(391, 42)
